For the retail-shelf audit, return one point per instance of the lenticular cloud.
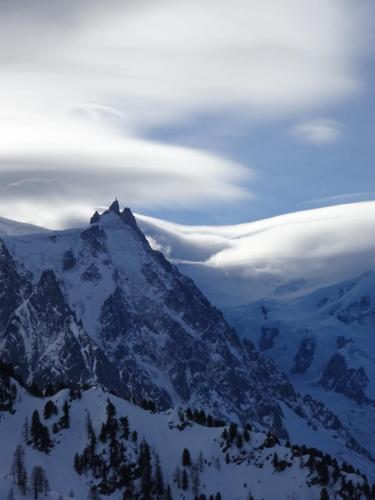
(307, 249)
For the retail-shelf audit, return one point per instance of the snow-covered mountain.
(91, 444)
(98, 305)
(287, 255)
(10, 227)
(324, 341)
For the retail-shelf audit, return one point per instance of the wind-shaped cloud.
(237, 264)
(82, 82)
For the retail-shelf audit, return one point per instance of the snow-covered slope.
(324, 341)
(11, 227)
(98, 305)
(103, 446)
(281, 256)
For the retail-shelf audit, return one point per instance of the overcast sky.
(209, 111)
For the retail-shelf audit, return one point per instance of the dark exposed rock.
(114, 207)
(13, 286)
(128, 217)
(95, 218)
(342, 341)
(350, 382)
(92, 274)
(305, 355)
(359, 310)
(69, 260)
(318, 414)
(93, 239)
(268, 335)
(60, 351)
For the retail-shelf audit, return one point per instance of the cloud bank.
(240, 263)
(82, 82)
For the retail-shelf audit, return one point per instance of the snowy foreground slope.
(136, 456)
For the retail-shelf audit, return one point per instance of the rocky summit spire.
(114, 207)
(128, 217)
(95, 218)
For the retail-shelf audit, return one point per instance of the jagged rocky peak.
(95, 218)
(126, 215)
(114, 207)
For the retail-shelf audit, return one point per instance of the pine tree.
(94, 493)
(77, 463)
(39, 481)
(18, 465)
(186, 459)
(65, 419)
(184, 480)
(200, 462)
(111, 425)
(239, 441)
(324, 494)
(146, 482)
(110, 409)
(168, 495)
(158, 479)
(26, 431)
(88, 425)
(11, 495)
(195, 480)
(23, 483)
(350, 488)
(323, 473)
(232, 432)
(246, 435)
(145, 470)
(49, 409)
(124, 422)
(177, 477)
(39, 434)
(103, 433)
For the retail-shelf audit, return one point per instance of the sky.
(209, 112)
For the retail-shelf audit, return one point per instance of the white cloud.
(81, 81)
(318, 132)
(62, 172)
(342, 198)
(237, 264)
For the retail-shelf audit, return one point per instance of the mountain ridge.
(99, 305)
